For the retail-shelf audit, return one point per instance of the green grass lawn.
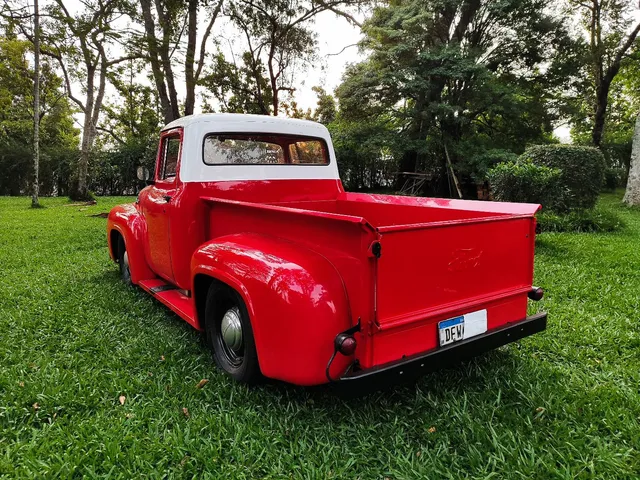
(73, 339)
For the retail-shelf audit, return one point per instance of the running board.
(173, 298)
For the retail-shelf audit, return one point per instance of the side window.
(169, 158)
(308, 152)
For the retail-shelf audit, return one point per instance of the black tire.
(123, 262)
(240, 361)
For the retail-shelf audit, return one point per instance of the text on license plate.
(462, 327)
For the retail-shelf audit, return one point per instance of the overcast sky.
(334, 34)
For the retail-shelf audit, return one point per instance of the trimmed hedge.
(582, 168)
(615, 178)
(524, 181)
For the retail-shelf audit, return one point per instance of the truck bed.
(439, 258)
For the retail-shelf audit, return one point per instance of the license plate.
(462, 327)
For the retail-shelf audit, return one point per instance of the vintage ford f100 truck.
(246, 232)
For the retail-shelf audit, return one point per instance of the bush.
(615, 178)
(478, 164)
(523, 181)
(582, 172)
(596, 220)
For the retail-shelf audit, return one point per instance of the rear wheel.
(230, 335)
(123, 262)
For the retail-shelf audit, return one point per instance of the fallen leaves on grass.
(185, 412)
(202, 383)
(122, 399)
(80, 204)
(432, 430)
(36, 406)
(540, 411)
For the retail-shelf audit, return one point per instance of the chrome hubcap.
(231, 329)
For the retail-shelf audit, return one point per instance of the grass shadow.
(466, 373)
(547, 247)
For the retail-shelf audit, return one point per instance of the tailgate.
(442, 268)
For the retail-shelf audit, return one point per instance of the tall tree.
(280, 43)
(58, 138)
(445, 70)
(165, 22)
(325, 111)
(613, 34)
(632, 194)
(128, 139)
(238, 87)
(35, 202)
(80, 42)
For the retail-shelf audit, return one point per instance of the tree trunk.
(273, 80)
(35, 201)
(416, 134)
(88, 134)
(632, 195)
(189, 74)
(154, 60)
(602, 100)
(165, 60)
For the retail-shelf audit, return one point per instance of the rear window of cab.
(263, 149)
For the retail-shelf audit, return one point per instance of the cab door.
(157, 203)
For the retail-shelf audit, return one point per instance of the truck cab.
(247, 234)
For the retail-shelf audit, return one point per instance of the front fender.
(295, 297)
(128, 221)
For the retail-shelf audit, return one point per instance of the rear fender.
(296, 300)
(129, 222)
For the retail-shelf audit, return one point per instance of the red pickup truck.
(246, 232)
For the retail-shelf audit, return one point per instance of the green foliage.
(615, 178)
(479, 162)
(524, 181)
(129, 138)
(280, 45)
(603, 67)
(476, 89)
(325, 111)
(365, 159)
(114, 171)
(582, 171)
(242, 88)
(595, 220)
(58, 137)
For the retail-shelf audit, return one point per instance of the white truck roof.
(197, 127)
(258, 123)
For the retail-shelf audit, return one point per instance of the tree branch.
(205, 37)
(345, 15)
(615, 65)
(112, 134)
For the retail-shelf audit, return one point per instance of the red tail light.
(345, 344)
(536, 293)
